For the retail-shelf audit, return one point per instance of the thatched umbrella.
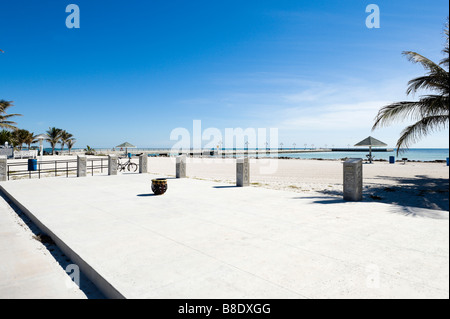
(371, 142)
(126, 145)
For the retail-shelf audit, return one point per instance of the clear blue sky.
(136, 70)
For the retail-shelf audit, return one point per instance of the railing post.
(181, 167)
(81, 165)
(143, 163)
(112, 165)
(353, 179)
(3, 168)
(242, 172)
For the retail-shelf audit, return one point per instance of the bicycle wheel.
(132, 167)
(119, 166)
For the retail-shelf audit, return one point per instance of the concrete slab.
(26, 269)
(207, 240)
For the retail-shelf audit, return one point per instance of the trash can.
(391, 159)
(32, 165)
(447, 161)
(129, 155)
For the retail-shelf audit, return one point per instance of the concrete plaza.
(209, 240)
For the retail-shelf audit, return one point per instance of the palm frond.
(445, 60)
(420, 129)
(429, 65)
(435, 81)
(8, 125)
(414, 110)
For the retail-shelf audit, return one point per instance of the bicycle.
(128, 165)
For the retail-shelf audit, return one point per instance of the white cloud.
(333, 117)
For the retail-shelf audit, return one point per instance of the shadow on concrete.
(86, 286)
(229, 186)
(324, 199)
(420, 192)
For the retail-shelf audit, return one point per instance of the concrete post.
(143, 163)
(181, 166)
(3, 168)
(81, 166)
(353, 179)
(112, 164)
(242, 172)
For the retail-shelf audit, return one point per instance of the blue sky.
(136, 70)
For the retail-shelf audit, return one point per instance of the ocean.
(415, 154)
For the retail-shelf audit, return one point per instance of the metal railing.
(57, 166)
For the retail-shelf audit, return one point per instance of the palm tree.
(30, 139)
(5, 136)
(19, 137)
(89, 150)
(4, 118)
(70, 142)
(430, 112)
(65, 136)
(53, 137)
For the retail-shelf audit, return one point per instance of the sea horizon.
(415, 154)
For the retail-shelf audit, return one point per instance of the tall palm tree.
(30, 139)
(65, 136)
(431, 111)
(70, 142)
(20, 137)
(4, 118)
(53, 137)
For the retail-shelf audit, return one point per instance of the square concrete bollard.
(242, 172)
(353, 179)
(181, 166)
(143, 163)
(3, 168)
(81, 166)
(112, 165)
